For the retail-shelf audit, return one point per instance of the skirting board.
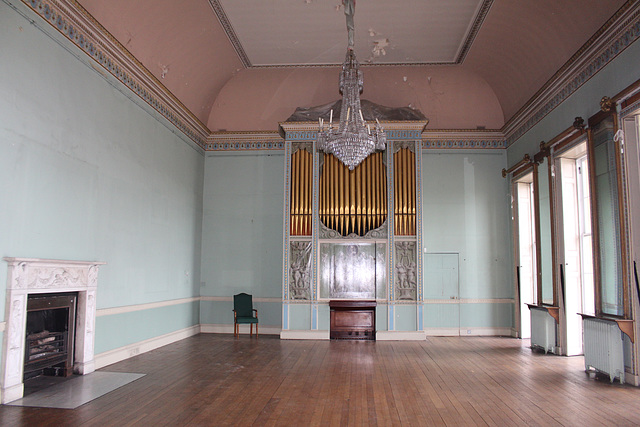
(304, 335)
(244, 329)
(123, 353)
(469, 332)
(400, 336)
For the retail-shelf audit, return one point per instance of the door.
(571, 269)
(442, 289)
(526, 260)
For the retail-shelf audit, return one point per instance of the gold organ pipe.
(399, 190)
(397, 175)
(414, 195)
(396, 193)
(345, 201)
(323, 194)
(375, 190)
(381, 192)
(309, 192)
(350, 201)
(294, 194)
(304, 192)
(377, 183)
(372, 186)
(369, 193)
(326, 173)
(338, 197)
(301, 185)
(339, 189)
(321, 204)
(301, 193)
(335, 190)
(405, 191)
(300, 196)
(358, 199)
(402, 190)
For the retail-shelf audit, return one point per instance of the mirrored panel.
(545, 243)
(351, 270)
(608, 218)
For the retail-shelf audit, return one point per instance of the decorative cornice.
(71, 20)
(607, 43)
(473, 32)
(396, 131)
(464, 143)
(461, 139)
(241, 141)
(231, 34)
(407, 125)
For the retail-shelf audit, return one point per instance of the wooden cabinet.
(354, 320)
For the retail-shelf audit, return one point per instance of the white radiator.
(603, 347)
(543, 330)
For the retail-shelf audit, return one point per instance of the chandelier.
(353, 140)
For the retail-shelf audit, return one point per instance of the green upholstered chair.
(243, 312)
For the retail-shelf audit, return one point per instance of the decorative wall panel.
(300, 270)
(405, 269)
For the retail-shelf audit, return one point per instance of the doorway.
(576, 266)
(442, 284)
(525, 250)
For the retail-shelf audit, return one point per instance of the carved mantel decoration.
(40, 276)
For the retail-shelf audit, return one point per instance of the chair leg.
(235, 329)
(256, 330)
(250, 329)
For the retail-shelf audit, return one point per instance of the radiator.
(603, 347)
(543, 330)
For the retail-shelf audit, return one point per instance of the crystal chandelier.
(353, 140)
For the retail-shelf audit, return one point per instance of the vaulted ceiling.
(245, 65)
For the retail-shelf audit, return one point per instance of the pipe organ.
(351, 234)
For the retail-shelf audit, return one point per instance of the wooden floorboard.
(212, 379)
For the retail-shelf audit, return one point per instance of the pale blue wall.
(242, 233)
(86, 174)
(465, 211)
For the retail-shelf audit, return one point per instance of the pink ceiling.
(520, 45)
(452, 98)
(523, 43)
(182, 38)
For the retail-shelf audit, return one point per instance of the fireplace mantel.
(40, 276)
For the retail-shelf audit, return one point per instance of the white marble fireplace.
(28, 276)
